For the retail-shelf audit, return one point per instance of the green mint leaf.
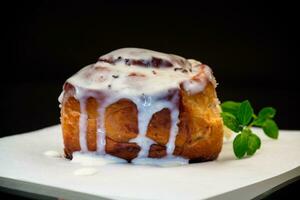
(237, 116)
(240, 144)
(259, 122)
(263, 115)
(267, 112)
(254, 143)
(231, 122)
(245, 113)
(231, 107)
(270, 128)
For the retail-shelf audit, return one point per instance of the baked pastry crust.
(200, 135)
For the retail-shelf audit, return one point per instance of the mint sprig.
(240, 117)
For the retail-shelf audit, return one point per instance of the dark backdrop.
(248, 45)
(251, 48)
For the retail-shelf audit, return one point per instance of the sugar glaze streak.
(146, 78)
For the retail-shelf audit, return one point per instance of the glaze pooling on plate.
(85, 171)
(51, 153)
(148, 78)
(93, 159)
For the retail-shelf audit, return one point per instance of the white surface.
(22, 158)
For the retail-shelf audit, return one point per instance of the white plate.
(23, 166)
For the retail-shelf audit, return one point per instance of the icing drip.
(147, 106)
(83, 124)
(61, 96)
(146, 78)
(101, 129)
(101, 136)
(174, 128)
(147, 109)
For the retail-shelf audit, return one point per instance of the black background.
(250, 46)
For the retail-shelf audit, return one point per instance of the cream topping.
(110, 74)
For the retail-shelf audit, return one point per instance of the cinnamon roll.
(137, 103)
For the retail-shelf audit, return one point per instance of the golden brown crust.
(70, 114)
(126, 150)
(121, 122)
(200, 134)
(159, 127)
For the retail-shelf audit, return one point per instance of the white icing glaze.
(95, 159)
(100, 122)
(198, 82)
(169, 161)
(83, 124)
(52, 153)
(146, 78)
(91, 159)
(99, 76)
(141, 54)
(60, 98)
(174, 127)
(146, 108)
(85, 171)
